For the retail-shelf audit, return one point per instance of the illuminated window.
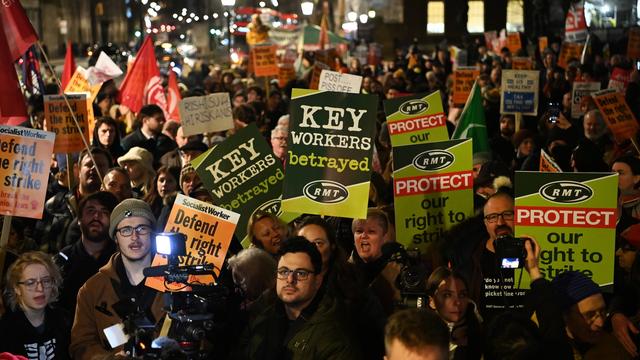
(475, 20)
(435, 17)
(515, 16)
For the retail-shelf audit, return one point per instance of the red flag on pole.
(69, 67)
(173, 97)
(18, 31)
(143, 84)
(12, 108)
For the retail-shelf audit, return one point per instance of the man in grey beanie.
(117, 290)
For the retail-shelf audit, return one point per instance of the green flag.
(472, 124)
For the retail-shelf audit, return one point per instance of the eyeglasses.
(591, 316)
(279, 138)
(32, 284)
(127, 231)
(298, 274)
(506, 215)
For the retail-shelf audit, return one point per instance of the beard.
(94, 236)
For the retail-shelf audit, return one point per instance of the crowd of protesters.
(324, 288)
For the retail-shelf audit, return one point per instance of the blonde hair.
(17, 268)
(257, 216)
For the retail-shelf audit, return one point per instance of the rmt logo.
(325, 191)
(568, 192)
(432, 160)
(413, 107)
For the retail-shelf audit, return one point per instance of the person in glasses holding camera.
(298, 321)
(31, 327)
(498, 287)
(117, 293)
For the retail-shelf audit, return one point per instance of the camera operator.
(117, 292)
(497, 284)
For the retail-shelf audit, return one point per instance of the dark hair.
(105, 120)
(440, 274)
(259, 91)
(298, 244)
(511, 336)
(632, 161)
(96, 151)
(149, 110)
(105, 199)
(245, 114)
(153, 197)
(318, 221)
(415, 329)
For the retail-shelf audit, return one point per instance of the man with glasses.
(298, 321)
(498, 292)
(279, 142)
(117, 291)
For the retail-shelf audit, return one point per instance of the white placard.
(580, 90)
(335, 81)
(200, 114)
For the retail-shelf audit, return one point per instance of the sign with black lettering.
(573, 217)
(243, 175)
(335, 81)
(200, 114)
(330, 151)
(432, 189)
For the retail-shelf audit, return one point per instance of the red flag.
(173, 97)
(12, 108)
(18, 31)
(143, 84)
(69, 67)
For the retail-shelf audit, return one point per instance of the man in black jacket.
(149, 136)
(83, 259)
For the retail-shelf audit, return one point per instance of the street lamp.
(229, 4)
(307, 8)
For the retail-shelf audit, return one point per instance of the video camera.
(412, 278)
(511, 252)
(190, 314)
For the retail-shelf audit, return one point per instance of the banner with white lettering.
(573, 217)
(330, 152)
(416, 119)
(433, 190)
(243, 175)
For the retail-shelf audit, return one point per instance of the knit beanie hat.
(573, 286)
(186, 170)
(130, 208)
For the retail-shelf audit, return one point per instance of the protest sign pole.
(4, 239)
(634, 142)
(70, 171)
(518, 121)
(266, 86)
(73, 115)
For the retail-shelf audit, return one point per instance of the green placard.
(243, 175)
(573, 217)
(416, 119)
(330, 149)
(433, 190)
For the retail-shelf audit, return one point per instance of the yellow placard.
(60, 121)
(569, 51)
(616, 113)
(25, 156)
(208, 229)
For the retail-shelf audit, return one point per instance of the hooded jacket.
(95, 310)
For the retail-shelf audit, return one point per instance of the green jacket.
(325, 335)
